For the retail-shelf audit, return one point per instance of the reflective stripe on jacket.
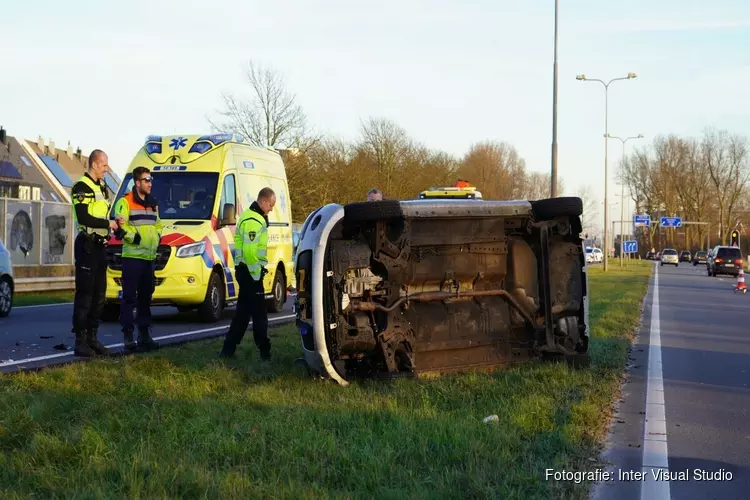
(97, 205)
(142, 227)
(251, 242)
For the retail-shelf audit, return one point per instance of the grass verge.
(41, 298)
(181, 424)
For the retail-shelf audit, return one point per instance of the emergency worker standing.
(250, 247)
(140, 231)
(90, 211)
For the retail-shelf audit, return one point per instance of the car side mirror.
(229, 215)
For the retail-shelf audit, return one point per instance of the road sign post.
(671, 222)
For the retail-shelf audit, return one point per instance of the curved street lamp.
(583, 78)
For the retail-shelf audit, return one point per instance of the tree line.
(322, 169)
(703, 179)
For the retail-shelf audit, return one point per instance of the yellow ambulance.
(202, 185)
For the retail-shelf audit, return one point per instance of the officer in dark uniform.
(250, 258)
(91, 207)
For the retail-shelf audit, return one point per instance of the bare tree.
(270, 117)
(387, 144)
(496, 169)
(590, 216)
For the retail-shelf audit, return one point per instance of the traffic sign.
(642, 220)
(671, 221)
(630, 246)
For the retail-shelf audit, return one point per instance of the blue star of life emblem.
(178, 143)
(282, 199)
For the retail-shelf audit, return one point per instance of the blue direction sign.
(630, 246)
(642, 220)
(671, 221)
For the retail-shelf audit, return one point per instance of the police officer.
(140, 230)
(250, 246)
(90, 209)
(374, 194)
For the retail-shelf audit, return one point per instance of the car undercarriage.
(402, 288)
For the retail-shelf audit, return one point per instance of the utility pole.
(583, 78)
(553, 174)
(622, 186)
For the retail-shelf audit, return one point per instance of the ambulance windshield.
(181, 195)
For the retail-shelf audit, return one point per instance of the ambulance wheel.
(213, 305)
(276, 304)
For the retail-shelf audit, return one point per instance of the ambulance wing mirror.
(228, 215)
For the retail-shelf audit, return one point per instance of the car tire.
(276, 304)
(549, 208)
(367, 211)
(6, 297)
(213, 305)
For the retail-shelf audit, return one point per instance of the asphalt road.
(685, 406)
(36, 336)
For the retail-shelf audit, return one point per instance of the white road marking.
(120, 344)
(70, 303)
(45, 305)
(655, 449)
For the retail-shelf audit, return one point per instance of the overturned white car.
(393, 288)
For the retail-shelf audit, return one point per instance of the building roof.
(17, 167)
(66, 165)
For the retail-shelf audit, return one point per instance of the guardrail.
(25, 285)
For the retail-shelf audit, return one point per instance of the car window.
(730, 253)
(670, 252)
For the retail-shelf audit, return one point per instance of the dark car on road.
(684, 256)
(699, 257)
(724, 260)
(650, 256)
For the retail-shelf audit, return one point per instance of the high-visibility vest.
(139, 220)
(97, 205)
(251, 242)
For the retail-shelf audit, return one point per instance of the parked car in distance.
(7, 283)
(699, 257)
(685, 256)
(724, 260)
(669, 256)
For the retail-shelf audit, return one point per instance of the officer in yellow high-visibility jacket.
(250, 257)
(140, 231)
(91, 214)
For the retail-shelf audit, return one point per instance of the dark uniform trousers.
(91, 281)
(251, 302)
(137, 290)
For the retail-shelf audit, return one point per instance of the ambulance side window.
(228, 204)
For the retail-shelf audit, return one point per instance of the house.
(21, 177)
(67, 166)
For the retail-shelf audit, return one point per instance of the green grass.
(181, 424)
(40, 298)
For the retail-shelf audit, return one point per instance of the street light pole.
(622, 187)
(606, 133)
(553, 175)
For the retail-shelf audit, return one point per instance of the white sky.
(105, 74)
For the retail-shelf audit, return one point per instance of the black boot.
(130, 344)
(94, 343)
(82, 347)
(145, 341)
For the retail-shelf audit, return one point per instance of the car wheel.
(213, 305)
(372, 210)
(550, 208)
(276, 304)
(6, 298)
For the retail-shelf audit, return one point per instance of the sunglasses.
(148, 178)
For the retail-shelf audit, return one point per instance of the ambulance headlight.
(191, 250)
